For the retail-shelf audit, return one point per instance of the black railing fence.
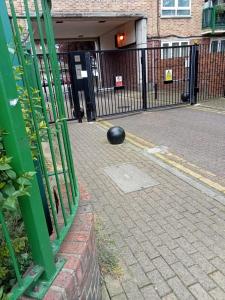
(102, 83)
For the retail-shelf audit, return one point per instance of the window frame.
(170, 43)
(219, 40)
(175, 8)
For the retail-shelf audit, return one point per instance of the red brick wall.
(211, 73)
(158, 66)
(119, 63)
(151, 9)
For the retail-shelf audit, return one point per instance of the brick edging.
(80, 277)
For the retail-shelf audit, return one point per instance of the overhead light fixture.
(121, 36)
(120, 39)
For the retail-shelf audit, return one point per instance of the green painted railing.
(54, 154)
(213, 19)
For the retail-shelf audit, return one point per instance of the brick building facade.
(131, 24)
(96, 24)
(162, 23)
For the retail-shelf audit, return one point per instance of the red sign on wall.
(119, 81)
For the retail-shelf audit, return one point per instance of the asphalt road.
(197, 136)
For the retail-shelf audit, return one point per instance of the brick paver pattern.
(170, 238)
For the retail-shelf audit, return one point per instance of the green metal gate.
(34, 144)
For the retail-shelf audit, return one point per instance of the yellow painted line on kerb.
(205, 180)
(208, 109)
(131, 138)
(143, 144)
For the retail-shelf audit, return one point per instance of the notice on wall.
(78, 69)
(168, 76)
(187, 62)
(77, 58)
(84, 74)
(119, 81)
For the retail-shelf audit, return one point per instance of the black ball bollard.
(116, 135)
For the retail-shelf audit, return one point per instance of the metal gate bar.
(131, 80)
(211, 72)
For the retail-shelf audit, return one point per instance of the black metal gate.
(103, 83)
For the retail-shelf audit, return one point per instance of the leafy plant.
(20, 245)
(12, 186)
(220, 9)
(30, 113)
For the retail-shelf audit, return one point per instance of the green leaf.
(20, 192)
(1, 292)
(9, 189)
(11, 174)
(10, 204)
(4, 167)
(29, 174)
(38, 106)
(2, 184)
(23, 181)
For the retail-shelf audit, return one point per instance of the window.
(222, 46)
(165, 52)
(217, 46)
(175, 51)
(214, 46)
(170, 52)
(184, 50)
(216, 2)
(176, 8)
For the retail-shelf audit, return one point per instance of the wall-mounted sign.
(84, 74)
(187, 62)
(77, 58)
(78, 69)
(118, 81)
(168, 76)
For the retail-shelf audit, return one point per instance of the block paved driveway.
(170, 237)
(195, 134)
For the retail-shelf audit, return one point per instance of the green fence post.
(5, 18)
(50, 40)
(213, 25)
(16, 144)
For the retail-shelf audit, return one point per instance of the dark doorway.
(74, 45)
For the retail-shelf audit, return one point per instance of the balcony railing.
(213, 19)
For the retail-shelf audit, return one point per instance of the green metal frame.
(16, 144)
(209, 20)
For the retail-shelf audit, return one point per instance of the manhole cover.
(129, 178)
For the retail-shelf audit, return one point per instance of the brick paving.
(170, 237)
